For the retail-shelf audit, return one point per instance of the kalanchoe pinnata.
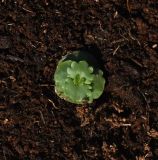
(77, 82)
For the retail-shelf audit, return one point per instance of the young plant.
(78, 82)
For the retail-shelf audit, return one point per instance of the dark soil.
(35, 124)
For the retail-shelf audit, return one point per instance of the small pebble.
(154, 46)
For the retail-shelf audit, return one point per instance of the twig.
(42, 117)
(27, 10)
(117, 41)
(125, 124)
(124, 37)
(136, 62)
(128, 8)
(116, 50)
(53, 103)
(14, 58)
(133, 38)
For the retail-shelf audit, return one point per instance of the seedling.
(76, 81)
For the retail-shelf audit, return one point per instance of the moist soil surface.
(35, 124)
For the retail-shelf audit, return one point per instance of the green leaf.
(76, 82)
(61, 71)
(98, 85)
